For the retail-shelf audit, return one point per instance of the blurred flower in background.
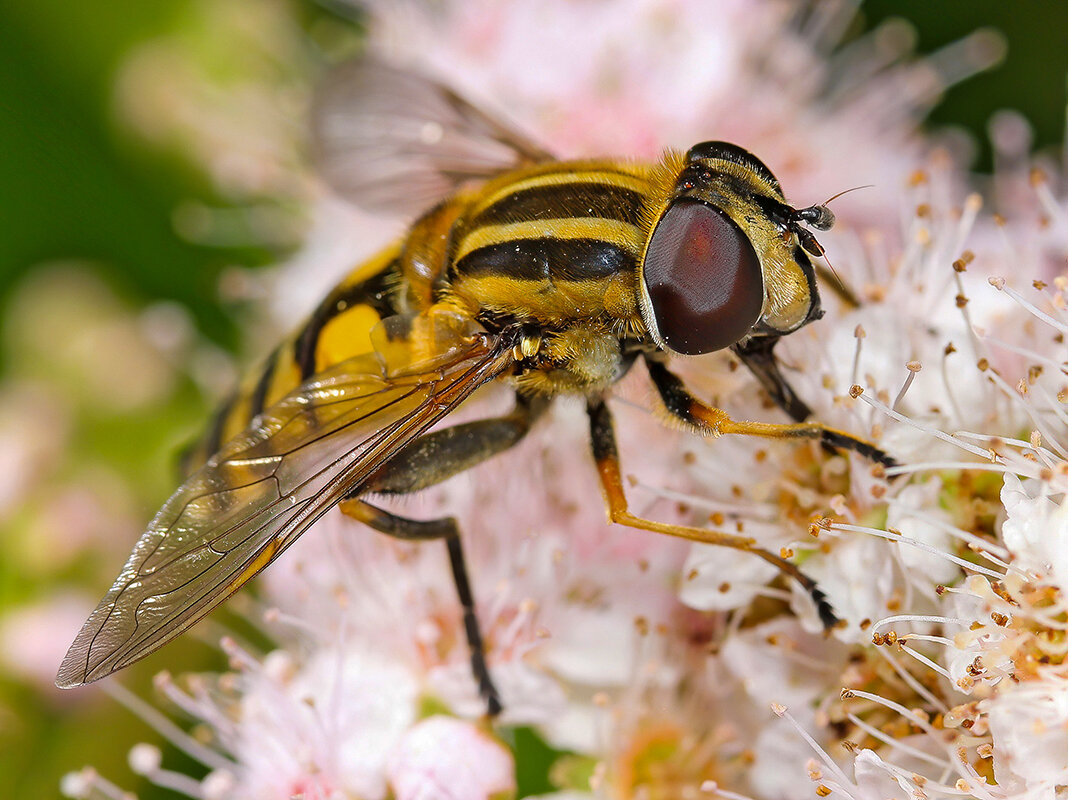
(630, 666)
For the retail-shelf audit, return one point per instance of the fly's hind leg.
(606, 456)
(431, 459)
(447, 529)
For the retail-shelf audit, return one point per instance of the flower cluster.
(655, 669)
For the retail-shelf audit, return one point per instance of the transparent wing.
(391, 140)
(261, 491)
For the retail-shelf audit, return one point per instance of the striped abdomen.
(555, 244)
(337, 330)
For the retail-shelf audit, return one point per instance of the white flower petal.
(1029, 723)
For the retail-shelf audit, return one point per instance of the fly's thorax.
(721, 261)
(555, 243)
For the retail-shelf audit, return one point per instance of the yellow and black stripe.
(556, 243)
(338, 329)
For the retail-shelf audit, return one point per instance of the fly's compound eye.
(703, 279)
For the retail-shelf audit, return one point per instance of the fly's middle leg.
(609, 470)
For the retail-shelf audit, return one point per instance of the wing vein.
(235, 515)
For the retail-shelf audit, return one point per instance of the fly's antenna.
(838, 286)
(834, 197)
(820, 216)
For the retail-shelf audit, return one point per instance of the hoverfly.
(553, 276)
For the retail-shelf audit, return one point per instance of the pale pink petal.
(443, 758)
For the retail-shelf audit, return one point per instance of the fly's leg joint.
(530, 345)
(527, 347)
(710, 421)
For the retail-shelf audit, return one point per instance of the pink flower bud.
(449, 759)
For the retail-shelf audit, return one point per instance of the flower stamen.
(165, 728)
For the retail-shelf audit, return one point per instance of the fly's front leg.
(431, 459)
(606, 456)
(682, 404)
(757, 355)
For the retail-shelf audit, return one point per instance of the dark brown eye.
(703, 278)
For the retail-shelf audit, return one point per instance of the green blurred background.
(79, 190)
